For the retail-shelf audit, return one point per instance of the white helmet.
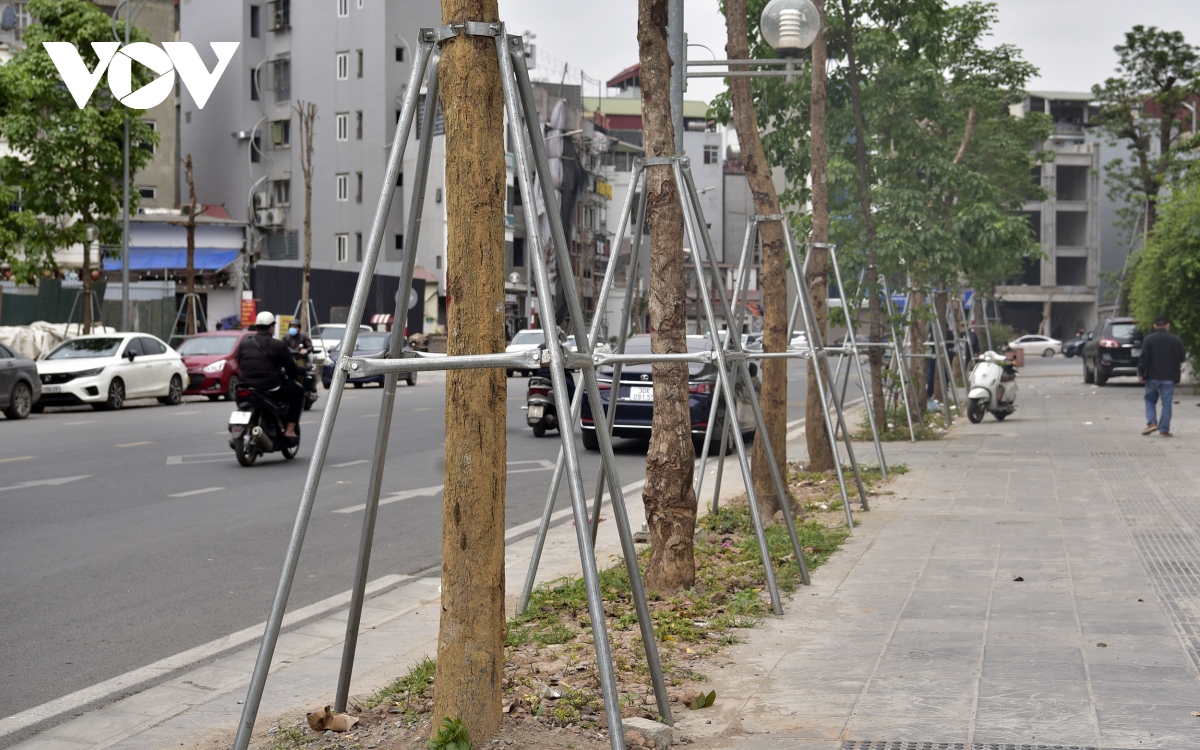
(264, 319)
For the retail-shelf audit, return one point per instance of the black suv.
(1113, 349)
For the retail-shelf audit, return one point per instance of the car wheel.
(20, 402)
(1048, 353)
(116, 396)
(358, 385)
(245, 451)
(412, 379)
(590, 441)
(174, 392)
(508, 373)
(231, 394)
(1101, 376)
(1088, 376)
(38, 408)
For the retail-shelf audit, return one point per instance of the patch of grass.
(413, 686)
(895, 427)
(291, 738)
(452, 735)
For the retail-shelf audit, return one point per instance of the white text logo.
(178, 57)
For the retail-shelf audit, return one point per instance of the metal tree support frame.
(190, 304)
(518, 99)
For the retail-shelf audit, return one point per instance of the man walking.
(1159, 368)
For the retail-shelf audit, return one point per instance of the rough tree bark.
(774, 267)
(470, 656)
(306, 113)
(191, 248)
(820, 454)
(871, 277)
(918, 363)
(85, 277)
(668, 495)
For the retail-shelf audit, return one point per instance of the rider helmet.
(264, 319)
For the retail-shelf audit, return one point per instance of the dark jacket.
(299, 340)
(263, 360)
(1162, 356)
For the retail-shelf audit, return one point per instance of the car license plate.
(51, 389)
(641, 393)
(1136, 352)
(536, 411)
(239, 417)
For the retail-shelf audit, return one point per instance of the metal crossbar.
(530, 152)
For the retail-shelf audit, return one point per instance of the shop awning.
(175, 258)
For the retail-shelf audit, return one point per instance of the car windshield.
(1124, 330)
(641, 344)
(531, 338)
(329, 331)
(84, 348)
(209, 345)
(371, 342)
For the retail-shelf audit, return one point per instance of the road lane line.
(204, 458)
(368, 416)
(16, 458)
(85, 421)
(122, 683)
(350, 463)
(181, 413)
(44, 482)
(132, 445)
(396, 497)
(204, 491)
(520, 529)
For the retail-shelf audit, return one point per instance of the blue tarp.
(175, 258)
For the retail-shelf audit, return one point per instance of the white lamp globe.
(790, 25)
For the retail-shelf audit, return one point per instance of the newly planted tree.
(668, 495)
(470, 658)
(306, 114)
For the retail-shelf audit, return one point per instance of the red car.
(211, 360)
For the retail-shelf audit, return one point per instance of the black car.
(1074, 347)
(1112, 350)
(368, 345)
(20, 387)
(635, 397)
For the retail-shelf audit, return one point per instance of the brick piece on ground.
(651, 731)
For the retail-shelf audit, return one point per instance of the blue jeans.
(1154, 390)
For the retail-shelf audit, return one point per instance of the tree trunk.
(191, 249)
(871, 277)
(470, 657)
(774, 268)
(307, 114)
(820, 454)
(85, 278)
(668, 495)
(919, 362)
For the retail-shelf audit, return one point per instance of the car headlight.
(215, 366)
(89, 373)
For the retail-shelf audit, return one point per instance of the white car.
(1036, 344)
(524, 340)
(106, 370)
(330, 335)
(799, 341)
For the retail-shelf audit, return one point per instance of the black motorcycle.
(308, 379)
(257, 427)
(541, 413)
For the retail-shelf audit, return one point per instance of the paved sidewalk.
(1031, 583)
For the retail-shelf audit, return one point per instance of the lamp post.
(789, 26)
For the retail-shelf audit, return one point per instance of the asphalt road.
(132, 536)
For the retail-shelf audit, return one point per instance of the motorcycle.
(257, 427)
(309, 378)
(541, 411)
(993, 388)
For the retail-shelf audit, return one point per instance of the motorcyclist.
(298, 341)
(266, 364)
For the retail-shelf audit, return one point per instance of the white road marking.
(181, 413)
(395, 497)
(520, 529)
(198, 458)
(121, 683)
(204, 491)
(44, 482)
(364, 416)
(350, 463)
(85, 421)
(133, 445)
(15, 458)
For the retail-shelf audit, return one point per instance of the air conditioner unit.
(275, 217)
(261, 200)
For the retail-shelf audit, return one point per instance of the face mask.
(293, 331)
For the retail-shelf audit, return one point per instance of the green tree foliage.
(925, 73)
(1166, 276)
(67, 165)
(1141, 108)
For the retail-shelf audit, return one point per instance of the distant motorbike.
(993, 388)
(309, 379)
(541, 412)
(257, 427)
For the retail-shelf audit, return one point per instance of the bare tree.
(307, 115)
(668, 495)
(774, 268)
(470, 657)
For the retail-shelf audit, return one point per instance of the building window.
(281, 15)
(148, 193)
(187, 118)
(343, 247)
(283, 78)
(343, 66)
(399, 54)
(253, 85)
(400, 180)
(149, 145)
(358, 187)
(712, 154)
(342, 121)
(360, 4)
(256, 149)
(399, 242)
(358, 56)
(518, 252)
(281, 192)
(437, 261)
(343, 8)
(358, 125)
(281, 133)
(255, 31)
(358, 247)
(343, 187)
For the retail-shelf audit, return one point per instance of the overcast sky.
(1070, 41)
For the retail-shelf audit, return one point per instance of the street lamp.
(790, 25)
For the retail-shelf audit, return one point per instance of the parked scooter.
(541, 412)
(309, 381)
(257, 427)
(993, 388)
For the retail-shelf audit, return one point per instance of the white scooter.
(993, 388)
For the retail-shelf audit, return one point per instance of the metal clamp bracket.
(470, 28)
(824, 245)
(660, 161)
(768, 217)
